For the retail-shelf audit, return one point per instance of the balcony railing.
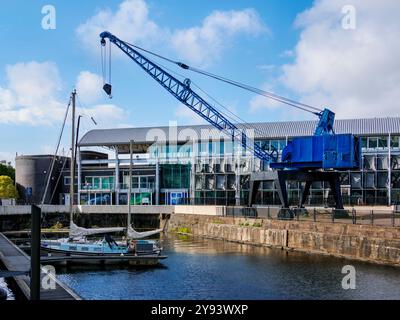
(112, 186)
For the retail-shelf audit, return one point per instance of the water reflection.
(199, 268)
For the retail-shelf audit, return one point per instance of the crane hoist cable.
(232, 115)
(244, 124)
(290, 102)
(104, 58)
(228, 114)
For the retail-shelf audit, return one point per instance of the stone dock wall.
(362, 242)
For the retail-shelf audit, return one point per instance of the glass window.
(382, 142)
(394, 142)
(364, 142)
(96, 182)
(105, 183)
(228, 147)
(265, 145)
(135, 182)
(150, 181)
(88, 184)
(143, 182)
(185, 150)
(210, 147)
(372, 142)
(67, 181)
(275, 144)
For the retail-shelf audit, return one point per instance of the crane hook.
(107, 88)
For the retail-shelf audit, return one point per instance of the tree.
(7, 188)
(7, 170)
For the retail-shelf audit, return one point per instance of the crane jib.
(188, 97)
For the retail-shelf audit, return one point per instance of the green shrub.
(57, 226)
(183, 230)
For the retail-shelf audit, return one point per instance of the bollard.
(333, 215)
(372, 217)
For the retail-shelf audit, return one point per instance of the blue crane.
(302, 156)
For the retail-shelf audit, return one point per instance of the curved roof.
(265, 130)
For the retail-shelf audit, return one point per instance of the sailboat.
(77, 244)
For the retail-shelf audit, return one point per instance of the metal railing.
(388, 218)
(121, 186)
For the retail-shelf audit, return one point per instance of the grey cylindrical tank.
(31, 174)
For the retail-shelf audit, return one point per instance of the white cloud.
(30, 94)
(106, 115)
(206, 42)
(130, 22)
(89, 87)
(354, 72)
(188, 116)
(259, 102)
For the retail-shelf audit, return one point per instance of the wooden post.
(36, 218)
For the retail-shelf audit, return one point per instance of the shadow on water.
(198, 268)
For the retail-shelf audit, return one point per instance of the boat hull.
(59, 257)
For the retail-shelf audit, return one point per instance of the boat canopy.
(75, 231)
(133, 234)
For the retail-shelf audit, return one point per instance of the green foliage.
(217, 221)
(246, 223)
(7, 171)
(57, 226)
(183, 230)
(7, 188)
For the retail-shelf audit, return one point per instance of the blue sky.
(267, 44)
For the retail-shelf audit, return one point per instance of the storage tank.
(31, 174)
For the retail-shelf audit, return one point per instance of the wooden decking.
(14, 259)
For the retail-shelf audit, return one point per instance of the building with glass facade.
(198, 165)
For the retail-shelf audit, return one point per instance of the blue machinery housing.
(328, 151)
(302, 159)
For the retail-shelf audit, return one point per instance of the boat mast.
(130, 184)
(72, 165)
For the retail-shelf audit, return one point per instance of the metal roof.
(262, 130)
